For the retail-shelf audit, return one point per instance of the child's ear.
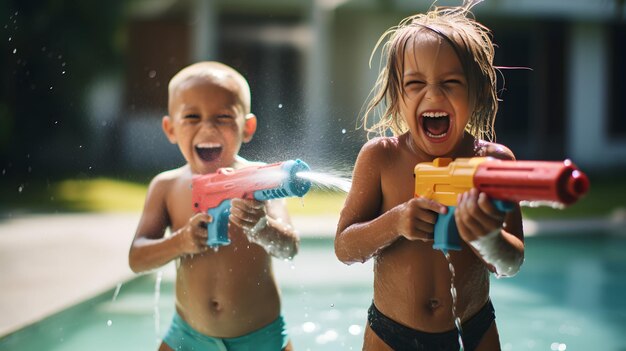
(249, 127)
(168, 128)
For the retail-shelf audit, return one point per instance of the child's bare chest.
(397, 182)
(179, 204)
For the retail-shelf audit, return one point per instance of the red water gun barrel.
(542, 181)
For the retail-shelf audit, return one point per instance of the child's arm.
(150, 249)
(362, 230)
(498, 238)
(266, 224)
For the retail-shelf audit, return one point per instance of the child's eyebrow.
(444, 74)
(412, 74)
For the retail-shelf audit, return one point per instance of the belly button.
(433, 303)
(215, 306)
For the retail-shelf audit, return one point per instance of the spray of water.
(536, 203)
(457, 319)
(117, 291)
(326, 181)
(157, 296)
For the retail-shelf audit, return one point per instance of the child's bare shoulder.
(167, 179)
(380, 147)
(495, 150)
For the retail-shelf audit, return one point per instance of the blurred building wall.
(307, 63)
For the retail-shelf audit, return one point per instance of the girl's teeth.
(435, 114)
(436, 136)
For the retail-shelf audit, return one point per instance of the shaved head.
(216, 73)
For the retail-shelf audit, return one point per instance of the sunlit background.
(83, 90)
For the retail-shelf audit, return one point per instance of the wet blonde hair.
(213, 71)
(471, 42)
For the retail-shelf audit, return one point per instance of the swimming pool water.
(568, 296)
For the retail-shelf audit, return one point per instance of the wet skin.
(381, 219)
(232, 291)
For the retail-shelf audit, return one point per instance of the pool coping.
(43, 274)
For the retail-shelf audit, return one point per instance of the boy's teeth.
(208, 145)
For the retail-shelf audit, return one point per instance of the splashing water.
(552, 204)
(326, 181)
(117, 291)
(157, 296)
(457, 320)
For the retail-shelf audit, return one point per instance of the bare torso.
(225, 293)
(411, 279)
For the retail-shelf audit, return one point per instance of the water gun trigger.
(217, 230)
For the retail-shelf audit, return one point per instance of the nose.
(208, 124)
(433, 92)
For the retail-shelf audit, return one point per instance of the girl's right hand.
(193, 236)
(417, 218)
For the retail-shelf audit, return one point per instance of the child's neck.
(466, 147)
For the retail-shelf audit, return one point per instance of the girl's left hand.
(476, 216)
(246, 213)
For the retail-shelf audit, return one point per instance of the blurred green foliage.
(50, 50)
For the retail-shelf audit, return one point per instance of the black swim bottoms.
(400, 337)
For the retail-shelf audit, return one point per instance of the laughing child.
(438, 94)
(226, 299)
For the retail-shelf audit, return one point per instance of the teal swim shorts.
(272, 337)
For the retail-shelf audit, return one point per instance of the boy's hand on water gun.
(417, 218)
(194, 234)
(249, 215)
(476, 216)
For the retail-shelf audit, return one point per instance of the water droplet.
(308, 327)
(354, 329)
(109, 323)
(20, 188)
(14, 51)
(152, 74)
(343, 131)
(51, 87)
(63, 72)
(332, 305)
(280, 105)
(10, 38)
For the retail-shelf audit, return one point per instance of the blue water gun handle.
(447, 234)
(217, 230)
(291, 185)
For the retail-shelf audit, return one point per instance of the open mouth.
(209, 151)
(436, 124)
